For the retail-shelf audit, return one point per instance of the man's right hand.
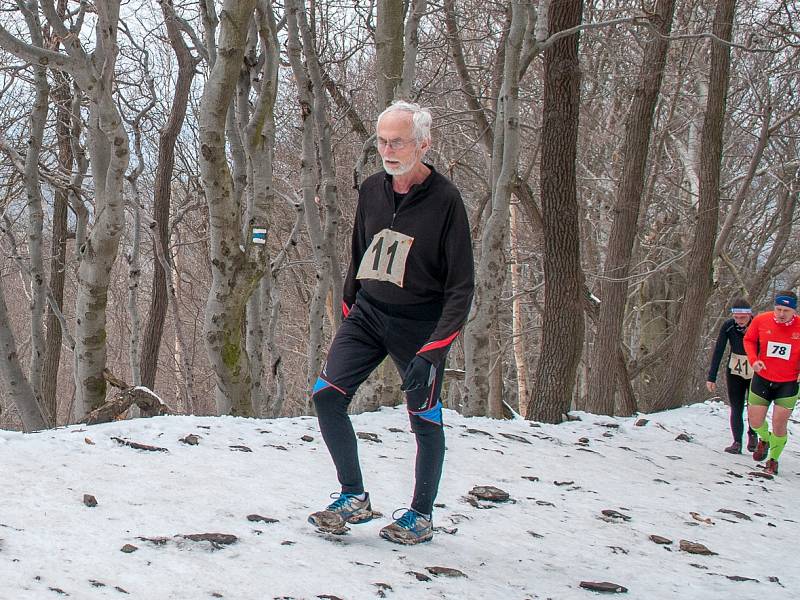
(711, 386)
(759, 366)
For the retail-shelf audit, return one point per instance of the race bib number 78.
(385, 259)
(779, 350)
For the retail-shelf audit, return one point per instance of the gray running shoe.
(346, 508)
(410, 528)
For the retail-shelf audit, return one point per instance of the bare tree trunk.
(787, 201)
(671, 390)
(16, 385)
(409, 49)
(517, 324)
(134, 277)
(235, 272)
(162, 195)
(134, 258)
(52, 354)
(744, 188)
(108, 148)
(313, 108)
(38, 282)
(388, 50)
(492, 269)
(605, 375)
(563, 320)
(185, 382)
(259, 146)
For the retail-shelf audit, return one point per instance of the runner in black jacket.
(738, 371)
(407, 295)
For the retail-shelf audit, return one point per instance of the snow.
(52, 545)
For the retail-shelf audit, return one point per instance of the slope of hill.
(549, 537)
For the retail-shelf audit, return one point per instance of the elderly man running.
(407, 294)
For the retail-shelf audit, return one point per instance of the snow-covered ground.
(549, 538)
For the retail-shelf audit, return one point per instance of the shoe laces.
(409, 518)
(340, 501)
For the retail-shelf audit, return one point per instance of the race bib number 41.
(779, 350)
(385, 259)
(739, 366)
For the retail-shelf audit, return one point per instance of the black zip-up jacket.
(438, 270)
(731, 333)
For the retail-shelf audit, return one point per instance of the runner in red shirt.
(772, 343)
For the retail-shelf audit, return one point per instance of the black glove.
(419, 374)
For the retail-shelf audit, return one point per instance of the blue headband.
(742, 311)
(786, 301)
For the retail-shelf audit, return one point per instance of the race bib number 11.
(778, 350)
(385, 259)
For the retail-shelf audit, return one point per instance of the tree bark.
(58, 252)
(605, 376)
(563, 320)
(388, 50)
(236, 268)
(671, 390)
(481, 394)
(162, 192)
(33, 189)
(316, 143)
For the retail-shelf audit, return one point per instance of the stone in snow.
(604, 586)
(240, 448)
(695, 548)
(613, 516)
(489, 492)
(138, 446)
(255, 518)
(89, 500)
(191, 440)
(660, 540)
(445, 571)
(698, 517)
(479, 432)
(516, 438)
(741, 578)
(217, 540)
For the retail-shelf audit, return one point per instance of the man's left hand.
(419, 374)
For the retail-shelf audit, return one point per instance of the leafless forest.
(629, 167)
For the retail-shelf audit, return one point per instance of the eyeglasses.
(396, 144)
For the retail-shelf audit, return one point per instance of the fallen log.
(149, 403)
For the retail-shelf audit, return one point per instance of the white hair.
(420, 118)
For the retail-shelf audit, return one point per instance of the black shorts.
(763, 391)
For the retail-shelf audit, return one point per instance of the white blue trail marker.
(259, 235)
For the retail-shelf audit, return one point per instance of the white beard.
(400, 169)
